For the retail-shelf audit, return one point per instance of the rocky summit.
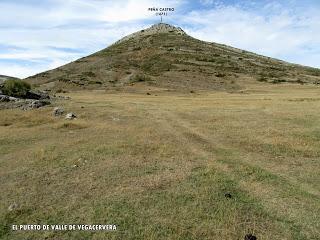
(154, 29)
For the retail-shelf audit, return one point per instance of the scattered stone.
(228, 195)
(74, 166)
(61, 97)
(191, 91)
(58, 111)
(12, 207)
(148, 93)
(250, 237)
(70, 116)
(82, 106)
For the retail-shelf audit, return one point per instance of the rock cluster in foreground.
(33, 100)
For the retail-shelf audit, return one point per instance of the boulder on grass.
(12, 207)
(58, 111)
(70, 116)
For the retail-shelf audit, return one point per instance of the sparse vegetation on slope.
(174, 60)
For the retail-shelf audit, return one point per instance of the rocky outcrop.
(32, 99)
(154, 29)
(7, 102)
(37, 95)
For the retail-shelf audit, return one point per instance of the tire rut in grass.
(210, 151)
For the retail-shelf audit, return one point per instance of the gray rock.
(58, 111)
(62, 97)
(12, 207)
(38, 95)
(14, 99)
(70, 116)
(4, 98)
(38, 104)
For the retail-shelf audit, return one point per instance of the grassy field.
(158, 166)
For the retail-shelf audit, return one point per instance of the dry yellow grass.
(158, 166)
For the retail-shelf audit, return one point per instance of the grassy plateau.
(202, 165)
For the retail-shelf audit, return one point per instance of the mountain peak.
(154, 29)
(163, 28)
(164, 56)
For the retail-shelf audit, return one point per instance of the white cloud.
(211, 2)
(62, 12)
(20, 71)
(41, 47)
(89, 26)
(282, 35)
(76, 24)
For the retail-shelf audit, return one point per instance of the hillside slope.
(165, 56)
(4, 78)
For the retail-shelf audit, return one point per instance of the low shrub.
(140, 78)
(262, 79)
(16, 88)
(277, 81)
(60, 90)
(220, 75)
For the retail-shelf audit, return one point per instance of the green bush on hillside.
(16, 88)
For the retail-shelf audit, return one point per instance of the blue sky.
(38, 35)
